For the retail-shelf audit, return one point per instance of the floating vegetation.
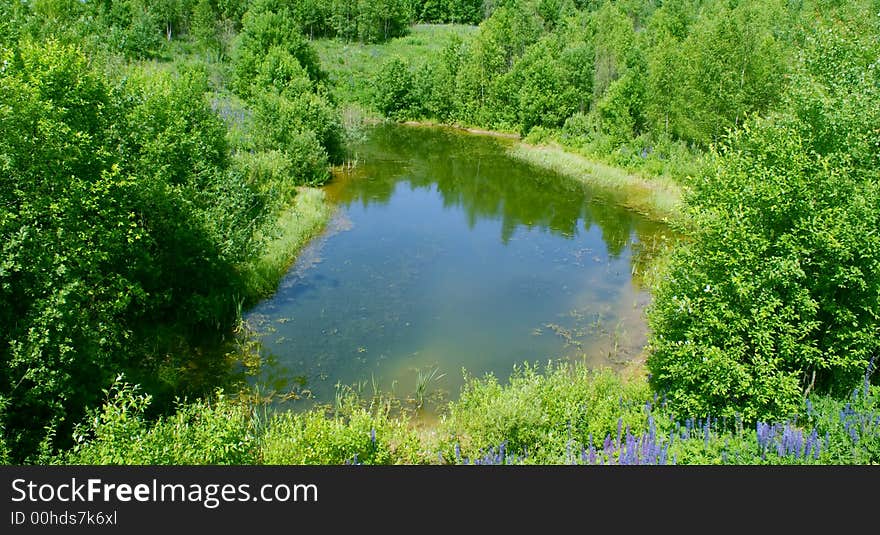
(570, 336)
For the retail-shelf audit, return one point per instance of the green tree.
(393, 89)
(663, 105)
(539, 87)
(204, 26)
(777, 294)
(61, 298)
(735, 66)
(119, 221)
(264, 27)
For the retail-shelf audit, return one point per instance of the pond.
(446, 255)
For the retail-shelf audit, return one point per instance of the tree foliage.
(120, 218)
(778, 293)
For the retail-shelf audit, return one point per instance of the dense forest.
(159, 163)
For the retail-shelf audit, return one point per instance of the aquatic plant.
(423, 379)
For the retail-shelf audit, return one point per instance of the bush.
(777, 295)
(270, 172)
(213, 431)
(281, 73)
(120, 221)
(285, 125)
(393, 90)
(263, 28)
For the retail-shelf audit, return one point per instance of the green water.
(445, 253)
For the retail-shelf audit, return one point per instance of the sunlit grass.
(303, 220)
(659, 198)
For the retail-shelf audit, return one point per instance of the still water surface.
(445, 253)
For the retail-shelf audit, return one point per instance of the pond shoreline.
(579, 294)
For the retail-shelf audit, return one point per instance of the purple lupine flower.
(786, 443)
(762, 431)
(619, 430)
(809, 405)
(795, 441)
(373, 436)
(631, 448)
(811, 444)
(457, 452)
(706, 432)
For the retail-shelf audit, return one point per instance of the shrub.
(393, 89)
(777, 295)
(210, 431)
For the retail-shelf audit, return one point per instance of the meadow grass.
(351, 66)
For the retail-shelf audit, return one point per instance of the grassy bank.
(299, 223)
(659, 197)
(559, 414)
